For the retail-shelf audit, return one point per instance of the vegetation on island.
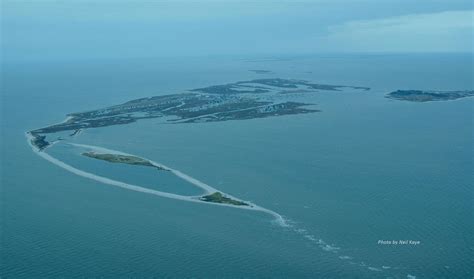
(39, 141)
(218, 197)
(242, 100)
(121, 159)
(427, 96)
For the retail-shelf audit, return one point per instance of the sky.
(76, 29)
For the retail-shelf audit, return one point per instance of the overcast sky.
(74, 29)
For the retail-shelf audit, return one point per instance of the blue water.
(364, 169)
(137, 175)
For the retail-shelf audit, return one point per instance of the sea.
(370, 187)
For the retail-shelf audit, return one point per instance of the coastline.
(208, 189)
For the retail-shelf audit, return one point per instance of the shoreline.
(208, 189)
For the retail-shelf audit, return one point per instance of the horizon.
(108, 30)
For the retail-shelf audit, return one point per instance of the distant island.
(242, 100)
(261, 71)
(428, 96)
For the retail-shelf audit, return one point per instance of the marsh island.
(427, 96)
(121, 159)
(242, 100)
(218, 197)
(39, 141)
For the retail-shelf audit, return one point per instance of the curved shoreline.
(278, 219)
(208, 189)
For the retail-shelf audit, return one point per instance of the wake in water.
(207, 189)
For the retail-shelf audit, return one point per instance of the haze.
(70, 30)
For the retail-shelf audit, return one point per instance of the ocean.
(363, 171)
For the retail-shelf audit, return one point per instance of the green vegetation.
(218, 197)
(427, 96)
(39, 141)
(268, 110)
(231, 88)
(121, 159)
(240, 100)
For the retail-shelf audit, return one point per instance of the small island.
(121, 159)
(428, 96)
(261, 71)
(218, 197)
(39, 141)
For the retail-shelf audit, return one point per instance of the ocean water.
(364, 169)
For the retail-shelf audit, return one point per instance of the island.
(267, 84)
(218, 197)
(428, 96)
(261, 71)
(121, 159)
(236, 101)
(241, 100)
(39, 141)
